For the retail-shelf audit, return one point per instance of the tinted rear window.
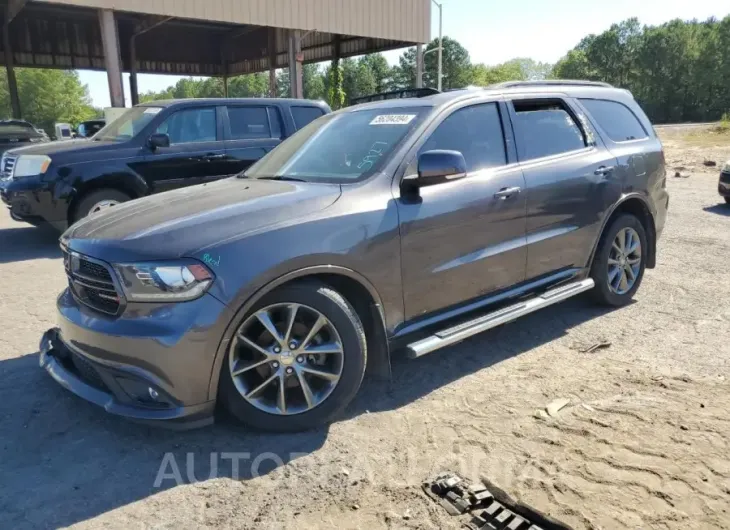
(249, 122)
(616, 119)
(304, 115)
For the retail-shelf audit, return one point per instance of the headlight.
(726, 167)
(177, 281)
(29, 165)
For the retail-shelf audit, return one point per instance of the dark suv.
(153, 147)
(411, 222)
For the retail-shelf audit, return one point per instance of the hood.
(82, 146)
(185, 221)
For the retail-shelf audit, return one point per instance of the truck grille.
(7, 165)
(725, 177)
(91, 283)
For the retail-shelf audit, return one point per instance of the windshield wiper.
(283, 177)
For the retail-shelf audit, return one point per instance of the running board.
(463, 331)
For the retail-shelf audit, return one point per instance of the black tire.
(727, 200)
(90, 200)
(602, 293)
(347, 323)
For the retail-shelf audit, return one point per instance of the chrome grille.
(91, 283)
(7, 165)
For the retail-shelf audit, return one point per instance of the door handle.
(505, 193)
(213, 157)
(603, 170)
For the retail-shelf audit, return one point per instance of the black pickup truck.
(153, 147)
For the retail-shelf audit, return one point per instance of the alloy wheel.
(286, 359)
(103, 205)
(624, 261)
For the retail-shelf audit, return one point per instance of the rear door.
(251, 131)
(569, 176)
(195, 153)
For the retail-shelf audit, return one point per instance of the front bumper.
(151, 364)
(33, 201)
(723, 187)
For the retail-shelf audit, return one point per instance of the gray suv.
(406, 224)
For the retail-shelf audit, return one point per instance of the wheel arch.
(636, 205)
(354, 287)
(131, 184)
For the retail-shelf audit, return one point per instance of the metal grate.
(7, 165)
(91, 283)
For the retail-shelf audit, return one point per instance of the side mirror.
(158, 140)
(435, 167)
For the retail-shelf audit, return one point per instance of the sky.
(495, 31)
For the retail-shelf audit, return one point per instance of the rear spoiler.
(396, 94)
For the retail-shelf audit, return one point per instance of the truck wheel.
(727, 200)
(98, 201)
(296, 361)
(619, 263)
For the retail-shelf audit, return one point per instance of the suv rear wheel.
(619, 263)
(296, 361)
(97, 201)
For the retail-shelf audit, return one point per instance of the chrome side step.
(463, 331)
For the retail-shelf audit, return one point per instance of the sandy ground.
(643, 444)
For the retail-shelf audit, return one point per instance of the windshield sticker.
(393, 119)
(152, 110)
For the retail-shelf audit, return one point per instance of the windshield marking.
(393, 119)
(373, 154)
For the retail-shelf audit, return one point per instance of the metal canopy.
(48, 35)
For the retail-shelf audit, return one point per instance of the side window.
(304, 115)
(616, 119)
(476, 132)
(190, 125)
(249, 123)
(545, 128)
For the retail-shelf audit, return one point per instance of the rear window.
(616, 119)
(305, 115)
(249, 122)
(545, 128)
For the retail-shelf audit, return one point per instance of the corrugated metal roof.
(401, 20)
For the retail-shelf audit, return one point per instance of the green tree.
(47, 97)
(678, 71)
(457, 69)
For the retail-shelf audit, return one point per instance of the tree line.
(678, 71)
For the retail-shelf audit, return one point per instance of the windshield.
(340, 147)
(128, 125)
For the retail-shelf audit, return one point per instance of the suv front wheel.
(619, 263)
(296, 361)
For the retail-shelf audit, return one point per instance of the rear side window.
(305, 115)
(545, 128)
(474, 131)
(616, 119)
(249, 123)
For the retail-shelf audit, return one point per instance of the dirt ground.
(644, 442)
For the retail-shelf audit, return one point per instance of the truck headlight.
(165, 281)
(29, 165)
(726, 167)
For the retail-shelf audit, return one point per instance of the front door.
(466, 238)
(196, 151)
(570, 184)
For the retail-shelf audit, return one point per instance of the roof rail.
(551, 82)
(396, 94)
